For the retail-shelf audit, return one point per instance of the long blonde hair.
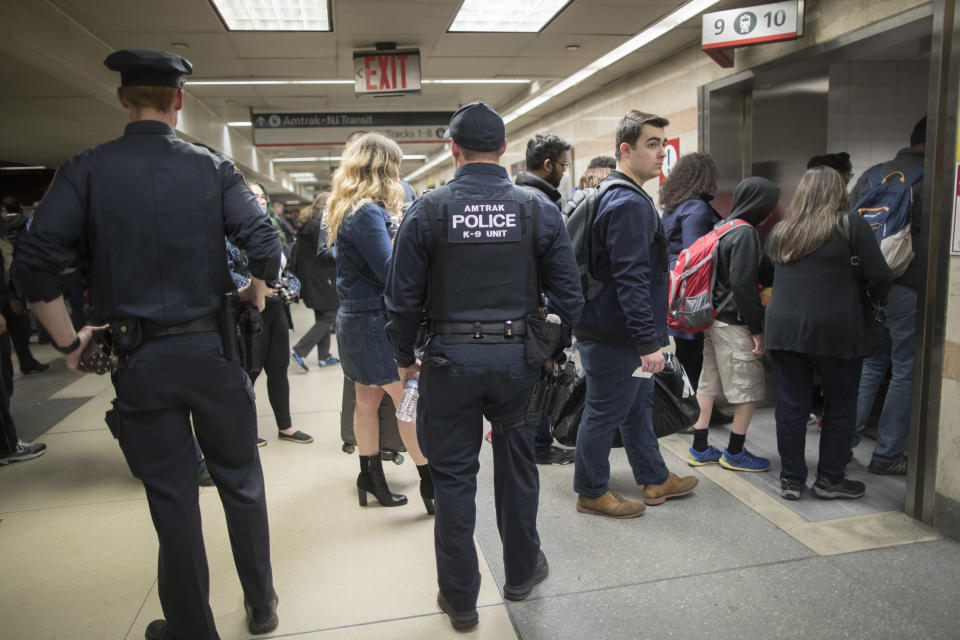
(815, 212)
(369, 172)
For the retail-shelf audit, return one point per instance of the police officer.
(151, 211)
(473, 254)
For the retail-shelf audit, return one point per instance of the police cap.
(148, 67)
(476, 126)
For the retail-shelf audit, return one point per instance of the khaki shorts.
(729, 364)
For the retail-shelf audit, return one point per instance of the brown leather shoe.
(674, 487)
(610, 505)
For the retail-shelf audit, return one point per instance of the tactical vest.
(484, 263)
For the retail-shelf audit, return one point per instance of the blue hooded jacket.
(629, 255)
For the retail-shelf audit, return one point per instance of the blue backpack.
(887, 207)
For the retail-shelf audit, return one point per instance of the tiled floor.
(78, 551)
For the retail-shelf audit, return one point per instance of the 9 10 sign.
(752, 25)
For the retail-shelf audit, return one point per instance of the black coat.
(738, 255)
(816, 306)
(318, 274)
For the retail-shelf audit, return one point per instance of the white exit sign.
(383, 72)
(751, 26)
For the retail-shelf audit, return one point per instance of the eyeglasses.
(563, 165)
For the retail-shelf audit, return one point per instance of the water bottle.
(408, 401)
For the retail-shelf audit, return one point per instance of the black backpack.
(580, 212)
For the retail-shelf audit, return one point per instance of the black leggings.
(276, 358)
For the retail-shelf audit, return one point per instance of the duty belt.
(504, 332)
(151, 329)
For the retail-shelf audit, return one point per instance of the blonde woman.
(816, 323)
(366, 192)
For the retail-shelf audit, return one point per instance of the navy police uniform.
(152, 211)
(474, 254)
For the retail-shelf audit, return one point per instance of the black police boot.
(157, 630)
(520, 592)
(426, 487)
(263, 619)
(371, 480)
(461, 620)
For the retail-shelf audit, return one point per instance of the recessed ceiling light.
(179, 45)
(338, 159)
(572, 47)
(510, 16)
(274, 15)
(251, 82)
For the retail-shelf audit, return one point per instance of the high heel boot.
(426, 487)
(371, 480)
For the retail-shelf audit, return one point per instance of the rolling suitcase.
(391, 445)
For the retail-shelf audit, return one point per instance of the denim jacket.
(363, 252)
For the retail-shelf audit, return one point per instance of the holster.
(542, 339)
(250, 332)
(542, 396)
(126, 333)
(227, 325)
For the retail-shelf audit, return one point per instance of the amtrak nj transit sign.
(725, 30)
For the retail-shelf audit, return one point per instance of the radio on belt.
(494, 221)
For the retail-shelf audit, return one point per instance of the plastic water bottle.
(408, 401)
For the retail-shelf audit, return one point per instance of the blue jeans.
(901, 311)
(615, 400)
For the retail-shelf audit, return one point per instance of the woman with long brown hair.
(685, 200)
(366, 192)
(816, 322)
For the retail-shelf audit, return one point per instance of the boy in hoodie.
(733, 345)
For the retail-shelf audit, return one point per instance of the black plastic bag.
(675, 405)
(567, 406)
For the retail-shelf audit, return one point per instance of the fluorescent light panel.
(648, 35)
(240, 123)
(337, 159)
(506, 16)
(211, 83)
(274, 15)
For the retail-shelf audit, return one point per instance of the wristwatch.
(67, 350)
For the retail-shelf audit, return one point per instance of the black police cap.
(478, 127)
(148, 67)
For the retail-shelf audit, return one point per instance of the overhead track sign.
(386, 72)
(332, 129)
(725, 30)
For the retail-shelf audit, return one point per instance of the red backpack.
(690, 307)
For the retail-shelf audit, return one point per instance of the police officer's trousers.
(491, 381)
(166, 382)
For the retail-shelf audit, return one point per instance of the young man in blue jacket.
(623, 329)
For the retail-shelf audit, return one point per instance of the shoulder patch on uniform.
(483, 221)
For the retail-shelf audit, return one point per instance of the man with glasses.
(548, 157)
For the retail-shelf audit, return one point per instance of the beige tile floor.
(78, 550)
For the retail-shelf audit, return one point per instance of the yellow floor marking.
(842, 535)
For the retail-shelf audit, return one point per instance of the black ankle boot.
(426, 487)
(371, 480)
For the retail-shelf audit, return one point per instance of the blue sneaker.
(328, 362)
(743, 461)
(710, 455)
(300, 363)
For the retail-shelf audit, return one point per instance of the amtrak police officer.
(151, 211)
(474, 255)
